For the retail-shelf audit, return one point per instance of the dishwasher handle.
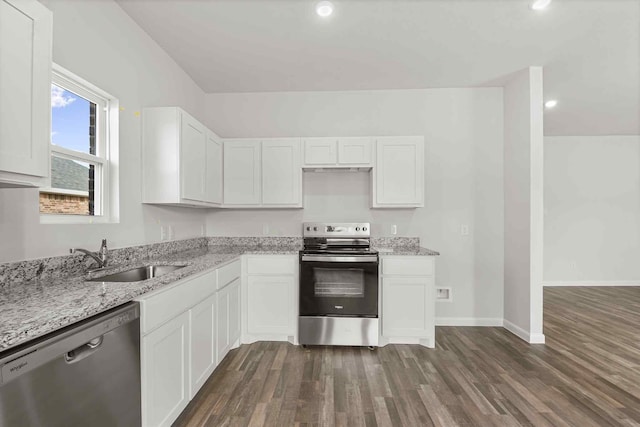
(84, 351)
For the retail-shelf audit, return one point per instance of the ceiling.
(590, 49)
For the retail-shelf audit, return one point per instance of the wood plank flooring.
(588, 374)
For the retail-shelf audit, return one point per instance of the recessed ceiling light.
(540, 4)
(550, 103)
(324, 8)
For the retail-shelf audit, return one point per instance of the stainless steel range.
(338, 286)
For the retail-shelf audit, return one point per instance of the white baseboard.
(592, 283)
(523, 334)
(468, 321)
(537, 339)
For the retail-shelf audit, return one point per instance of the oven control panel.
(336, 229)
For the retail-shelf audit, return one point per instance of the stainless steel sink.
(138, 274)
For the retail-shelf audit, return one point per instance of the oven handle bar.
(324, 258)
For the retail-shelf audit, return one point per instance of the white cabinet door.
(399, 172)
(320, 151)
(213, 170)
(165, 366)
(227, 318)
(281, 172)
(234, 312)
(270, 305)
(25, 88)
(192, 158)
(407, 306)
(242, 172)
(223, 344)
(202, 343)
(182, 159)
(355, 151)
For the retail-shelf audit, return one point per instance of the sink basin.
(138, 274)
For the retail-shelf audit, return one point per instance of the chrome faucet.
(100, 256)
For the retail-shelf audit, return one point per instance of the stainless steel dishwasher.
(87, 374)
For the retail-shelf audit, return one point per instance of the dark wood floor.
(588, 374)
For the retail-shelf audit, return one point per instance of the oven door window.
(338, 283)
(338, 289)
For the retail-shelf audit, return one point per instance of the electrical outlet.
(394, 229)
(163, 233)
(265, 229)
(170, 232)
(203, 230)
(444, 294)
(464, 229)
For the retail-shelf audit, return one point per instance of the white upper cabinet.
(193, 155)
(213, 172)
(320, 151)
(398, 178)
(181, 159)
(262, 173)
(242, 172)
(355, 151)
(338, 152)
(25, 88)
(281, 173)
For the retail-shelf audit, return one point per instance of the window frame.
(105, 160)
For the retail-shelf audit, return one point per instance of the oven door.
(334, 285)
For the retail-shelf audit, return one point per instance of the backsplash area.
(14, 273)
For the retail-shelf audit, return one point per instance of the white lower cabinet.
(406, 306)
(186, 329)
(408, 300)
(165, 356)
(202, 340)
(228, 318)
(270, 303)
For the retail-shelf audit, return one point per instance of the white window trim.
(107, 152)
(64, 192)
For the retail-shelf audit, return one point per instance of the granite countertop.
(407, 251)
(32, 308)
(37, 307)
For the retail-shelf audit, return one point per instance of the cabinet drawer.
(408, 266)
(228, 274)
(157, 309)
(271, 265)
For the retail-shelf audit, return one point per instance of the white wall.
(592, 210)
(463, 133)
(99, 42)
(523, 201)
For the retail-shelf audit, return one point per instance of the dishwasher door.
(85, 375)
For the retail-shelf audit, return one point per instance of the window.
(84, 184)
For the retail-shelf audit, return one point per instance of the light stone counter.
(41, 296)
(30, 309)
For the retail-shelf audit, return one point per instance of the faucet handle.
(104, 244)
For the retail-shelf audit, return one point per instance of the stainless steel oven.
(338, 286)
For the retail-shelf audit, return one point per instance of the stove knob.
(308, 228)
(364, 228)
(315, 228)
(357, 228)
